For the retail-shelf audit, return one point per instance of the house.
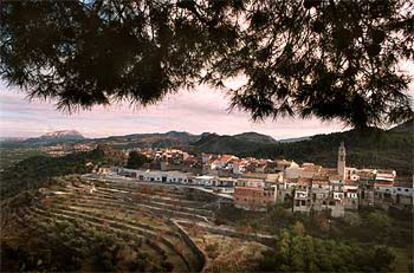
(224, 185)
(238, 166)
(255, 191)
(351, 196)
(319, 195)
(222, 161)
(403, 194)
(205, 180)
(281, 165)
(293, 171)
(384, 176)
(301, 200)
(253, 198)
(309, 170)
(157, 176)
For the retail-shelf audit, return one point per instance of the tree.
(326, 58)
(136, 160)
(303, 253)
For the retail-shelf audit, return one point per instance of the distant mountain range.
(64, 134)
(205, 142)
(296, 139)
(46, 139)
(368, 148)
(209, 142)
(245, 142)
(54, 138)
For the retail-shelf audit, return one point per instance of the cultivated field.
(164, 228)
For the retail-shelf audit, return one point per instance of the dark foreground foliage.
(329, 59)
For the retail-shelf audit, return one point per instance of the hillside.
(242, 143)
(208, 142)
(368, 148)
(78, 224)
(36, 171)
(150, 140)
(406, 127)
(255, 137)
(51, 138)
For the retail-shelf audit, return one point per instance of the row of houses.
(307, 187)
(312, 188)
(208, 164)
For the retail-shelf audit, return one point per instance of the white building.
(205, 180)
(157, 176)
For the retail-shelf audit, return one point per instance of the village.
(256, 184)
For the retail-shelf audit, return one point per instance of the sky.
(196, 111)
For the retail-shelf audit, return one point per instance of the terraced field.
(81, 218)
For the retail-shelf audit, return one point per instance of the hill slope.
(406, 127)
(36, 171)
(150, 140)
(369, 148)
(242, 143)
(53, 138)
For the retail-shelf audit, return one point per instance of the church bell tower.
(341, 160)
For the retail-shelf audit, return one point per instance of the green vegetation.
(123, 227)
(378, 231)
(136, 160)
(67, 227)
(242, 143)
(10, 156)
(297, 252)
(365, 148)
(35, 172)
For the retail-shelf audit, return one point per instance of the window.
(406, 190)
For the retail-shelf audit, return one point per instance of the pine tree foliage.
(333, 59)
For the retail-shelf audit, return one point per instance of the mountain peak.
(256, 137)
(63, 134)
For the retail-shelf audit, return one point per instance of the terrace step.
(86, 207)
(156, 196)
(153, 247)
(67, 212)
(169, 203)
(122, 201)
